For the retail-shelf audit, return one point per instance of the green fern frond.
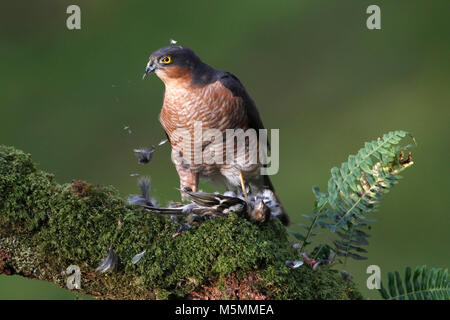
(356, 189)
(423, 284)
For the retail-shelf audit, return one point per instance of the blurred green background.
(313, 68)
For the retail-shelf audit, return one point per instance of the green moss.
(82, 227)
(24, 191)
(304, 283)
(219, 246)
(77, 223)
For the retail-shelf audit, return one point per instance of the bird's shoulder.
(232, 83)
(205, 75)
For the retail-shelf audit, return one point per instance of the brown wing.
(232, 83)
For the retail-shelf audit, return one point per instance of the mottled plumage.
(194, 91)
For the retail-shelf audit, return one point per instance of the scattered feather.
(294, 264)
(144, 199)
(144, 155)
(136, 200)
(173, 42)
(108, 263)
(162, 142)
(127, 128)
(137, 257)
(346, 275)
(144, 186)
(329, 260)
(308, 260)
(182, 226)
(296, 245)
(331, 256)
(316, 265)
(134, 175)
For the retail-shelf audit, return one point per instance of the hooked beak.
(149, 69)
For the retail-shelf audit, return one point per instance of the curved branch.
(45, 227)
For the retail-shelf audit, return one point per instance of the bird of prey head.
(175, 63)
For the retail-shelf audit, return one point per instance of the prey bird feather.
(144, 198)
(144, 155)
(109, 263)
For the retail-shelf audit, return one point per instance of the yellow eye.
(166, 59)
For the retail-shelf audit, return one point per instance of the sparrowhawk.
(197, 93)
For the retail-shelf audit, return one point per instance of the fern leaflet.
(423, 284)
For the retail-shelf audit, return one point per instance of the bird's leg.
(244, 190)
(193, 181)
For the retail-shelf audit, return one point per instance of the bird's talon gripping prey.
(197, 93)
(244, 189)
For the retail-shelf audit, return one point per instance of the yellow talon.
(244, 191)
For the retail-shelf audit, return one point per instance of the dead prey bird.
(215, 204)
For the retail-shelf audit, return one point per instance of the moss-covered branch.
(46, 226)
